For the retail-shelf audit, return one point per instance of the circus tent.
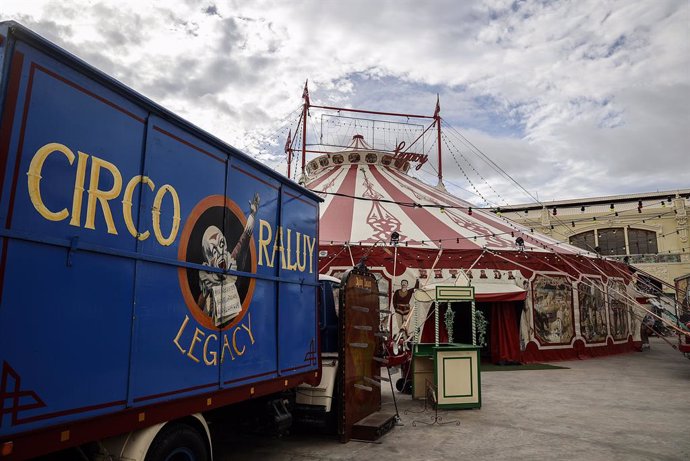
(543, 299)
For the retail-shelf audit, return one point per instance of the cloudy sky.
(571, 98)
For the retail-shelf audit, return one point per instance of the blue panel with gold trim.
(141, 259)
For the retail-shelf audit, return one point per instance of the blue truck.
(149, 273)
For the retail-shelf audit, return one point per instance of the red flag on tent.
(288, 142)
(305, 94)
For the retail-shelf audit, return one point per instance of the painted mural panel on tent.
(618, 310)
(553, 309)
(592, 302)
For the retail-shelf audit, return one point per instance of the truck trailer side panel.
(142, 260)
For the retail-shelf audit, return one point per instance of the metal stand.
(435, 419)
(395, 400)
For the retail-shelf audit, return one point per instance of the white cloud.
(571, 98)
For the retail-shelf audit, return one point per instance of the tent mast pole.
(391, 307)
(437, 121)
(305, 113)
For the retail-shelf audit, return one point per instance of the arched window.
(611, 241)
(584, 240)
(642, 242)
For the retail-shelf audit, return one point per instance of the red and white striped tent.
(543, 299)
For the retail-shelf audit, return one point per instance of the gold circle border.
(199, 209)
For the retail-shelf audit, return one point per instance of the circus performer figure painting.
(401, 305)
(219, 298)
(592, 310)
(553, 316)
(618, 310)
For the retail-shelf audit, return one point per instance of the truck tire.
(403, 386)
(178, 442)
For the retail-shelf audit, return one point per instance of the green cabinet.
(450, 372)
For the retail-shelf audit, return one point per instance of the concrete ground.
(633, 407)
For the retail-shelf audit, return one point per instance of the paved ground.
(632, 407)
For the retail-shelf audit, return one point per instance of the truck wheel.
(403, 386)
(399, 384)
(178, 442)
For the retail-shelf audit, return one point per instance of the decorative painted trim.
(445, 374)
(454, 293)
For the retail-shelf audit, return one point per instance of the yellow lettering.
(278, 246)
(34, 181)
(198, 334)
(127, 205)
(263, 243)
(102, 196)
(282, 249)
(179, 334)
(234, 342)
(301, 262)
(78, 189)
(310, 242)
(290, 266)
(249, 328)
(156, 215)
(97, 196)
(226, 344)
(213, 354)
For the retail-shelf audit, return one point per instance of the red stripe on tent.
(447, 199)
(437, 194)
(476, 226)
(432, 227)
(336, 222)
(317, 182)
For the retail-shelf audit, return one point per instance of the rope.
(449, 143)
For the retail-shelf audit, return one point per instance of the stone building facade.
(649, 229)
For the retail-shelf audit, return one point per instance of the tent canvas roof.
(369, 194)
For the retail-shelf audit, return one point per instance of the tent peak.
(358, 142)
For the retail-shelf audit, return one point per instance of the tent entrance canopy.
(483, 292)
(501, 303)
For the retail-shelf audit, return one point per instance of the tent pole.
(437, 120)
(352, 260)
(433, 266)
(474, 324)
(436, 326)
(391, 308)
(467, 271)
(305, 114)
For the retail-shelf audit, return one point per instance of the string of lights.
(434, 174)
(554, 210)
(640, 207)
(545, 244)
(337, 131)
(533, 223)
(448, 142)
(475, 238)
(631, 301)
(469, 209)
(271, 141)
(628, 225)
(474, 149)
(583, 279)
(462, 170)
(299, 143)
(314, 127)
